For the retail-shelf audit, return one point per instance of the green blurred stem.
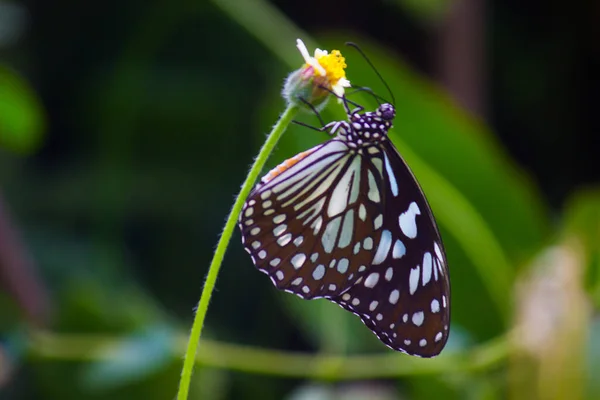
(190, 355)
(255, 360)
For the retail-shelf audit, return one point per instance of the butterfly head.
(387, 112)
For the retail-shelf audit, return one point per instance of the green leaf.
(22, 121)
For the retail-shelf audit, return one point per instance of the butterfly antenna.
(357, 88)
(362, 53)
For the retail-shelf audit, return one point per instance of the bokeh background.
(127, 127)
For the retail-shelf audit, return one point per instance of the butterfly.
(347, 221)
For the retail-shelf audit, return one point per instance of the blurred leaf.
(330, 328)
(346, 391)
(94, 291)
(22, 120)
(132, 359)
(425, 10)
(593, 360)
(312, 391)
(582, 219)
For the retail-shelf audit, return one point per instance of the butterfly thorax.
(366, 129)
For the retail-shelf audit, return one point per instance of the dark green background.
(127, 128)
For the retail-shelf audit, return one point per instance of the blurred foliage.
(21, 118)
(125, 132)
(427, 11)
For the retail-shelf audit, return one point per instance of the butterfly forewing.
(311, 224)
(404, 297)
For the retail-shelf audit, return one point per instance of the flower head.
(320, 74)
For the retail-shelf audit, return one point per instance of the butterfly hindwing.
(404, 297)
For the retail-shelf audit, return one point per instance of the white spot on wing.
(330, 235)
(407, 220)
(391, 176)
(285, 239)
(347, 229)
(399, 249)
(427, 268)
(339, 197)
(413, 279)
(435, 306)
(372, 280)
(298, 260)
(362, 212)
(279, 219)
(279, 229)
(384, 247)
(275, 262)
(373, 193)
(378, 222)
(373, 305)
(389, 273)
(319, 272)
(342, 265)
(394, 296)
(418, 318)
(438, 251)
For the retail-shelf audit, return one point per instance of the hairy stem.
(190, 355)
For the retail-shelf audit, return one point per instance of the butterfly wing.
(313, 221)
(404, 295)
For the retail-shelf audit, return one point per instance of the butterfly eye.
(355, 228)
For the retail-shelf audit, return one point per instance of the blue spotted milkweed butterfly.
(347, 221)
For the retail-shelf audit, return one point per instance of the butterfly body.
(347, 221)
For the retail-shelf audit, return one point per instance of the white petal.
(343, 82)
(303, 50)
(320, 53)
(338, 90)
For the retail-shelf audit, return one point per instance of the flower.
(321, 74)
(331, 66)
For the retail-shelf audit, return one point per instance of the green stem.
(190, 355)
(254, 360)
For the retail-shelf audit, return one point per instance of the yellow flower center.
(334, 64)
